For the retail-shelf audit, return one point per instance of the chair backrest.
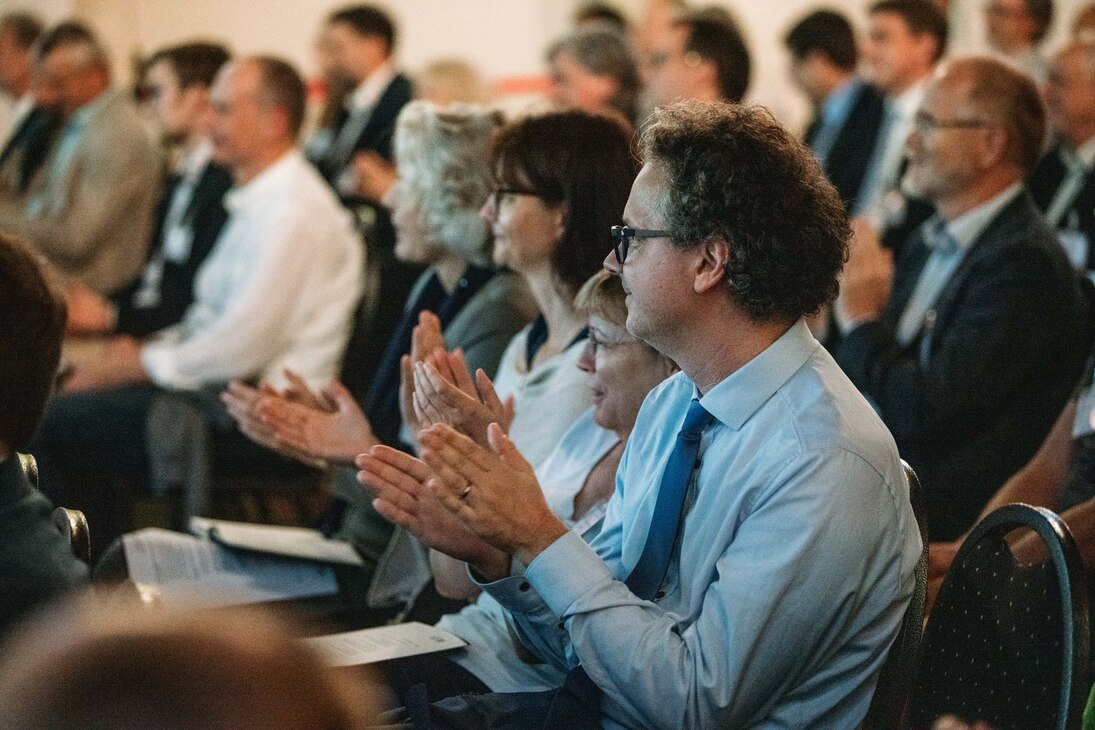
(1008, 639)
(892, 691)
(71, 522)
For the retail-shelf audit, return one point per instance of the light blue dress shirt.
(791, 575)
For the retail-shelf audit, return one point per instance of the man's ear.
(713, 260)
(994, 146)
(560, 214)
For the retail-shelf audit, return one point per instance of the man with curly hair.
(735, 582)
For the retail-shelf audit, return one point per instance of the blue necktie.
(578, 703)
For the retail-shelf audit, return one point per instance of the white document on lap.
(173, 568)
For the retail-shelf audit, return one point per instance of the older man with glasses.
(974, 352)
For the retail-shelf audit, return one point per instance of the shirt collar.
(1083, 156)
(22, 106)
(908, 101)
(369, 91)
(749, 387)
(966, 228)
(270, 178)
(193, 163)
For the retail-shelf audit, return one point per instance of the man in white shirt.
(277, 291)
(1063, 181)
(905, 40)
(974, 353)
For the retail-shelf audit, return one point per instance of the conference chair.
(1008, 639)
(892, 692)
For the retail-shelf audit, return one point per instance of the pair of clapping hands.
(471, 495)
(330, 426)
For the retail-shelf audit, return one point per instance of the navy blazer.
(206, 217)
(970, 399)
(32, 140)
(379, 130)
(846, 164)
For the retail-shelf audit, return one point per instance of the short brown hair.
(721, 43)
(1010, 98)
(1041, 12)
(32, 326)
(73, 34)
(85, 664)
(921, 16)
(25, 28)
(281, 86)
(194, 64)
(582, 161)
(736, 174)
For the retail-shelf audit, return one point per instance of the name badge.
(177, 244)
(1084, 422)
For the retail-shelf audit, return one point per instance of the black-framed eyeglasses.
(622, 235)
(498, 194)
(926, 123)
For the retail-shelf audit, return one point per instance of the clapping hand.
(399, 482)
(444, 393)
(242, 401)
(492, 491)
(338, 435)
(426, 338)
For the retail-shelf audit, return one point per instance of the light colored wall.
(504, 38)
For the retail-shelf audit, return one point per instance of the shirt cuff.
(568, 569)
(159, 362)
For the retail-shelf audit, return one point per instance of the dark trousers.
(90, 434)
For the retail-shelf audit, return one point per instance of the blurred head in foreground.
(87, 666)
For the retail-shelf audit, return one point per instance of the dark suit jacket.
(372, 218)
(846, 164)
(1011, 331)
(29, 147)
(378, 132)
(205, 216)
(1043, 182)
(36, 560)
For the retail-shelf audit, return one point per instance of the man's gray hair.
(443, 168)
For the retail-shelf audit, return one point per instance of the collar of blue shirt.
(739, 396)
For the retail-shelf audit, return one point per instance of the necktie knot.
(939, 239)
(695, 421)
